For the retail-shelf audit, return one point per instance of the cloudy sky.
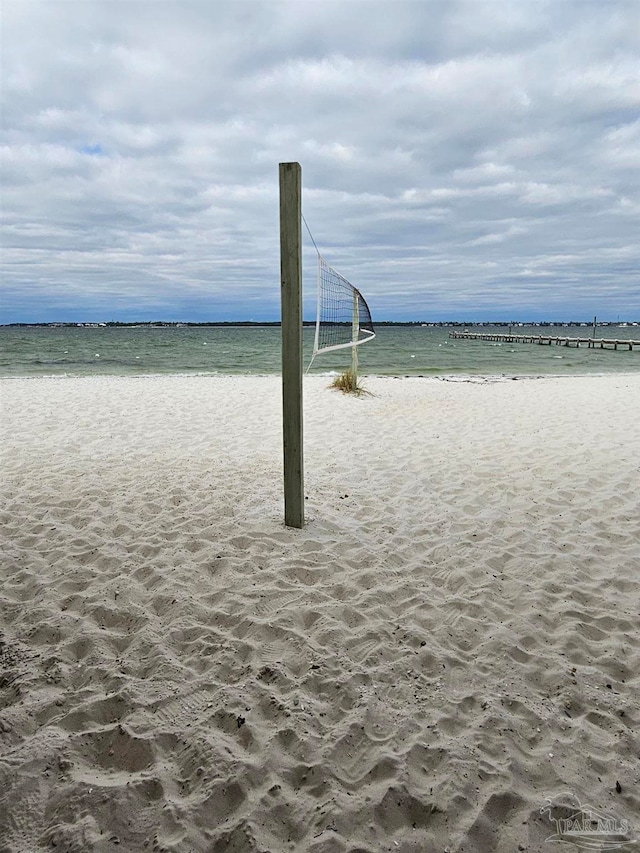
(463, 159)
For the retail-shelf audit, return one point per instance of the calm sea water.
(396, 351)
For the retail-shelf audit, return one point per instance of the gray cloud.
(473, 159)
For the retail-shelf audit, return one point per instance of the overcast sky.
(469, 160)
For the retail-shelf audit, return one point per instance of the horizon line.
(451, 322)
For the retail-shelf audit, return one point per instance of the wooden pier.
(548, 340)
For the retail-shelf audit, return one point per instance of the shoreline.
(444, 376)
(449, 641)
(395, 352)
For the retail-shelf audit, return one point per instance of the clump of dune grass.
(347, 382)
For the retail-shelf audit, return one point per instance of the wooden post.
(291, 303)
(355, 334)
(354, 369)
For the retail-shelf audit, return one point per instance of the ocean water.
(395, 351)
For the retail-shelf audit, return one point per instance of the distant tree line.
(215, 323)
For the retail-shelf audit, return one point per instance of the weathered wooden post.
(355, 334)
(291, 306)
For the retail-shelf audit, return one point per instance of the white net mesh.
(343, 318)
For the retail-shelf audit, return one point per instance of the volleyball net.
(343, 318)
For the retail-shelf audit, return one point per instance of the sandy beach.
(452, 638)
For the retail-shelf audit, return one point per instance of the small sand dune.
(451, 639)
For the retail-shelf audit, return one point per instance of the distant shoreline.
(157, 324)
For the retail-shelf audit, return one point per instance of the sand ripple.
(451, 639)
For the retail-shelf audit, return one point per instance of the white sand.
(452, 638)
